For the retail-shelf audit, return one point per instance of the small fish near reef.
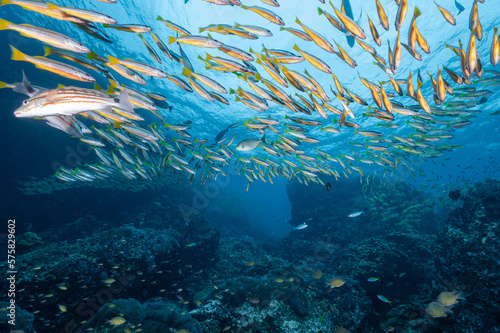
(356, 214)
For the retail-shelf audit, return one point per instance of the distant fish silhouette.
(460, 7)
(185, 59)
(221, 134)
(346, 9)
(328, 187)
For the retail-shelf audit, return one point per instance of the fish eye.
(25, 102)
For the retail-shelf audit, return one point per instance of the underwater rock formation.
(468, 257)
(256, 291)
(93, 268)
(152, 317)
(400, 251)
(151, 270)
(28, 241)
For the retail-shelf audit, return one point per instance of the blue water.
(32, 150)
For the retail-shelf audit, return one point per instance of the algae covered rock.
(28, 241)
(151, 317)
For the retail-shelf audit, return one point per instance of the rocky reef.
(387, 269)
(401, 251)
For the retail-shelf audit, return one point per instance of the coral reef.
(152, 317)
(28, 241)
(151, 270)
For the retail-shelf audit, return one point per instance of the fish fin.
(52, 6)
(24, 87)
(16, 54)
(123, 102)
(5, 2)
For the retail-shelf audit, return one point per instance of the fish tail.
(113, 60)
(244, 7)
(417, 12)
(4, 24)
(110, 90)
(47, 50)
(320, 11)
(16, 54)
(171, 40)
(186, 71)
(201, 30)
(5, 2)
(236, 25)
(297, 21)
(113, 84)
(159, 18)
(92, 55)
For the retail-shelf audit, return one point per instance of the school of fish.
(134, 155)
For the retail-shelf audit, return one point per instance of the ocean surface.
(354, 216)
